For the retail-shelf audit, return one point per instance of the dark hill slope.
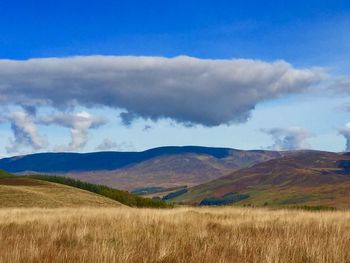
(67, 162)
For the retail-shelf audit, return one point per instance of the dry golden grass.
(23, 192)
(174, 235)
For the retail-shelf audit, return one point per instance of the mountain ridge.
(123, 158)
(168, 166)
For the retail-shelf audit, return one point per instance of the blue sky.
(305, 34)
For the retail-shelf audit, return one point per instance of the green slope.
(123, 197)
(4, 174)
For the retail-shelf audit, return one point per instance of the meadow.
(187, 234)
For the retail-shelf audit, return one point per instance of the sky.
(132, 75)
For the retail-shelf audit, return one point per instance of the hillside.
(165, 166)
(25, 192)
(121, 196)
(4, 174)
(299, 178)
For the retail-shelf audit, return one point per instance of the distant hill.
(25, 192)
(165, 166)
(299, 178)
(82, 162)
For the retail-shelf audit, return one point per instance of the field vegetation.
(219, 234)
(123, 197)
(4, 174)
(25, 192)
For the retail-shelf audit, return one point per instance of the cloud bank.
(185, 89)
(286, 139)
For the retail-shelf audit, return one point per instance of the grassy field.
(225, 234)
(123, 197)
(25, 192)
(56, 191)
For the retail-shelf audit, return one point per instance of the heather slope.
(299, 178)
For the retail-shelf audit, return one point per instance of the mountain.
(165, 166)
(298, 178)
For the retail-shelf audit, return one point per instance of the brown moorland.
(210, 235)
(175, 170)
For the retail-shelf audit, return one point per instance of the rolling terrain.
(56, 191)
(159, 167)
(213, 176)
(26, 192)
(300, 178)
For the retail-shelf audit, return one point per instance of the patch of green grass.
(197, 194)
(298, 199)
(123, 197)
(275, 196)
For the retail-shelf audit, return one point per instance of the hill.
(123, 197)
(4, 174)
(26, 192)
(79, 162)
(310, 178)
(56, 191)
(164, 166)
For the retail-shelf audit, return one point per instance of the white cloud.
(79, 124)
(346, 133)
(293, 138)
(25, 133)
(184, 89)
